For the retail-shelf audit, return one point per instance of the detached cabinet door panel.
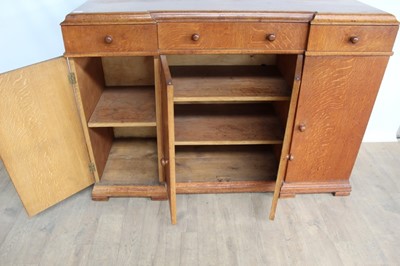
(336, 98)
(41, 139)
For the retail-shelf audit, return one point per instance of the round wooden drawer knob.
(108, 39)
(302, 127)
(164, 162)
(271, 37)
(354, 39)
(195, 37)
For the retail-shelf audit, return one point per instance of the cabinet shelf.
(125, 107)
(224, 164)
(132, 162)
(210, 84)
(227, 124)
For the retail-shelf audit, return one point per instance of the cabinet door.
(167, 102)
(336, 98)
(41, 140)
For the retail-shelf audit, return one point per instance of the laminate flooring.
(216, 229)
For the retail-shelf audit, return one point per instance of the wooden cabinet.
(151, 103)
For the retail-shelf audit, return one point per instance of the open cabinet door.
(41, 139)
(167, 95)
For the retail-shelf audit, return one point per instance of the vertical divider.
(287, 63)
(168, 128)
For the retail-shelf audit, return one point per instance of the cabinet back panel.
(237, 59)
(128, 71)
(137, 132)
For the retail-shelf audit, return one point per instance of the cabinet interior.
(118, 97)
(230, 113)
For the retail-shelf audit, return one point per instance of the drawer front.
(110, 39)
(205, 36)
(352, 38)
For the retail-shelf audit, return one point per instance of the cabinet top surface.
(320, 6)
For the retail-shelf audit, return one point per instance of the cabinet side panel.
(90, 77)
(336, 99)
(42, 143)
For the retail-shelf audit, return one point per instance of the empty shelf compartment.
(228, 84)
(125, 107)
(227, 124)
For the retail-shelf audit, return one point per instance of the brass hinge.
(92, 167)
(72, 78)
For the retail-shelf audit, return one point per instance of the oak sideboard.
(157, 98)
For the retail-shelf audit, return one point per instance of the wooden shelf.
(210, 84)
(132, 162)
(125, 107)
(225, 164)
(227, 124)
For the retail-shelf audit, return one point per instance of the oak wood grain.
(104, 191)
(248, 186)
(293, 67)
(131, 162)
(227, 124)
(101, 139)
(135, 132)
(125, 106)
(335, 102)
(232, 36)
(128, 70)
(340, 186)
(222, 60)
(125, 38)
(159, 118)
(228, 84)
(90, 86)
(81, 110)
(337, 38)
(42, 144)
(225, 164)
(168, 124)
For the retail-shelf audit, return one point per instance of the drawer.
(110, 39)
(352, 38)
(205, 36)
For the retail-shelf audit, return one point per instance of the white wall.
(385, 117)
(30, 33)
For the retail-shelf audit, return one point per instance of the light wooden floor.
(225, 229)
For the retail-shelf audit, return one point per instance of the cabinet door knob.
(290, 157)
(271, 37)
(302, 127)
(354, 39)
(108, 39)
(164, 162)
(195, 37)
